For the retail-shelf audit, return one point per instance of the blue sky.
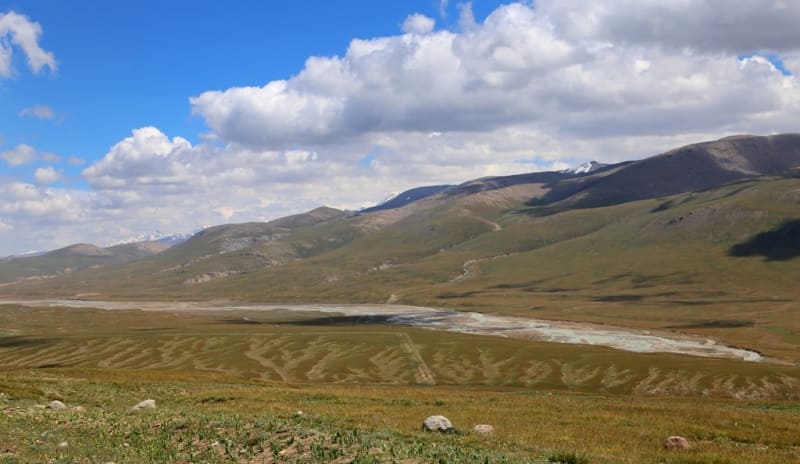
(122, 119)
(123, 65)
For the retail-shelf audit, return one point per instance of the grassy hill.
(74, 258)
(716, 262)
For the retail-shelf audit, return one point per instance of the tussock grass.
(214, 418)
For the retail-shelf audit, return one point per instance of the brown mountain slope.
(686, 169)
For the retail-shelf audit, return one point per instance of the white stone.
(56, 405)
(437, 424)
(483, 429)
(146, 404)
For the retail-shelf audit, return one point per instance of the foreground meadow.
(229, 387)
(212, 418)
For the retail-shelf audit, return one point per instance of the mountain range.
(708, 232)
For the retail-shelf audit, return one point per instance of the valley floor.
(228, 385)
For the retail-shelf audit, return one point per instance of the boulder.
(437, 424)
(146, 404)
(676, 443)
(56, 405)
(483, 429)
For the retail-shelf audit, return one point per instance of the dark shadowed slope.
(409, 196)
(779, 244)
(686, 169)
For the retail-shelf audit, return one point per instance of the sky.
(123, 119)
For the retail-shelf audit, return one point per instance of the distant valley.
(699, 239)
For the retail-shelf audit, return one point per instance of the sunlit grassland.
(215, 418)
(662, 264)
(320, 348)
(228, 385)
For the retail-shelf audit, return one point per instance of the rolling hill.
(74, 258)
(699, 239)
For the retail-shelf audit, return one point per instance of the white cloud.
(466, 19)
(418, 24)
(147, 157)
(46, 175)
(76, 161)
(41, 204)
(24, 34)
(551, 67)
(702, 25)
(25, 154)
(38, 111)
(19, 155)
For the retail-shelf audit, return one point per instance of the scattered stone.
(56, 405)
(146, 404)
(483, 429)
(63, 444)
(299, 413)
(676, 443)
(78, 408)
(437, 424)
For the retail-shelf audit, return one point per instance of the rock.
(483, 429)
(78, 408)
(437, 424)
(676, 443)
(63, 444)
(146, 404)
(56, 405)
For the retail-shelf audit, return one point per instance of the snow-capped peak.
(157, 236)
(585, 168)
(389, 197)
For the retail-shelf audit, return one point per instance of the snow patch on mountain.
(585, 168)
(157, 236)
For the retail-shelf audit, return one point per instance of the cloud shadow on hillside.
(779, 244)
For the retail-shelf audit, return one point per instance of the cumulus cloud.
(418, 24)
(553, 66)
(24, 34)
(26, 154)
(41, 204)
(19, 155)
(38, 111)
(701, 25)
(147, 157)
(46, 175)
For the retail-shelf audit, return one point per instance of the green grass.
(656, 264)
(312, 348)
(213, 418)
(229, 384)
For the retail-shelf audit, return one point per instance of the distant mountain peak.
(158, 236)
(585, 168)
